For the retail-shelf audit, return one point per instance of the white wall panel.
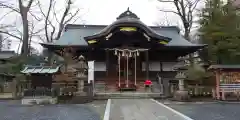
(153, 66)
(99, 66)
(169, 66)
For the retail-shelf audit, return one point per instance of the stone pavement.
(209, 111)
(142, 109)
(98, 106)
(13, 110)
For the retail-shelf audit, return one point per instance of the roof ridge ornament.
(128, 14)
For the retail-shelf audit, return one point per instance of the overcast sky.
(104, 12)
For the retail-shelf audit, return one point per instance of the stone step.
(100, 86)
(127, 95)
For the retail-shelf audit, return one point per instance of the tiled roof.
(40, 69)
(6, 54)
(74, 35)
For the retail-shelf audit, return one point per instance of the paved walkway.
(140, 109)
(13, 110)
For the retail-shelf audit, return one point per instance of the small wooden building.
(40, 77)
(5, 77)
(227, 80)
(6, 82)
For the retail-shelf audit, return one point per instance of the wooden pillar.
(223, 94)
(161, 66)
(217, 75)
(127, 71)
(107, 64)
(119, 70)
(135, 69)
(147, 64)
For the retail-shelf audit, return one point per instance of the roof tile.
(40, 69)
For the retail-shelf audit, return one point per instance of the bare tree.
(53, 31)
(23, 9)
(165, 22)
(55, 22)
(185, 10)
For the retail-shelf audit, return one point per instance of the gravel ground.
(13, 110)
(209, 111)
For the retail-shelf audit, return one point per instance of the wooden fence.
(200, 90)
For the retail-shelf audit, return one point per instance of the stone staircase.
(101, 86)
(127, 95)
(105, 91)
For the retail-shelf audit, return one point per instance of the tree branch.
(9, 7)
(9, 34)
(6, 14)
(169, 11)
(54, 12)
(72, 16)
(29, 4)
(46, 17)
(61, 24)
(34, 16)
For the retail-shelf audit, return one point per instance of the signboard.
(128, 29)
(90, 71)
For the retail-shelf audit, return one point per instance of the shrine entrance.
(127, 67)
(127, 74)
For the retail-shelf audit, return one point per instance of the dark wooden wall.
(41, 80)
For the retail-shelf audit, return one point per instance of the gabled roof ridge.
(78, 26)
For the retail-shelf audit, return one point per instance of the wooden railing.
(229, 87)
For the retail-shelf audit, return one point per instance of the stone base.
(181, 95)
(38, 100)
(80, 93)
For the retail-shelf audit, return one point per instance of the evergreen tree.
(220, 31)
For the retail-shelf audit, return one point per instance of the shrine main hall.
(127, 52)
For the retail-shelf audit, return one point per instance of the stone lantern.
(81, 69)
(181, 94)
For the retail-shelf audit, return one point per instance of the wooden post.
(147, 64)
(127, 69)
(107, 63)
(135, 77)
(223, 94)
(119, 69)
(217, 73)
